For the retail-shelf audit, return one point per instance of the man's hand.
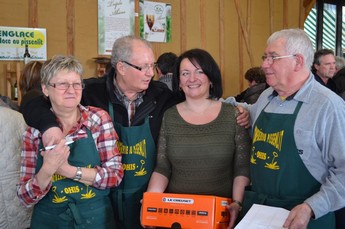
(299, 217)
(52, 136)
(243, 119)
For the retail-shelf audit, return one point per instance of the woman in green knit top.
(201, 148)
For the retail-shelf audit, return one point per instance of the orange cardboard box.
(185, 211)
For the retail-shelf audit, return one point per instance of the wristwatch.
(78, 174)
(239, 203)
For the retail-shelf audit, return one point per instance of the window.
(325, 25)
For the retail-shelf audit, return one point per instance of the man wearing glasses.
(136, 105)
(297, 160)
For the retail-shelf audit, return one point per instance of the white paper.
(263, 217)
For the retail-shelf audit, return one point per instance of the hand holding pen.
(53, 146)
(55, 158)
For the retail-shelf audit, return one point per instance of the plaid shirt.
(130, 105)
(99, 123)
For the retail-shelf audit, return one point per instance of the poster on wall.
(14, 39)
(155, 21)
(115, 19)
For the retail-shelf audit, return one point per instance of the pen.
(53, 146)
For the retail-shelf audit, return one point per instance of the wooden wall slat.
(70, 9)
(242, 25)
(33, 14)
(271, 9)
(183, 38)
(202, 24)
(285, 14)
(221, 38)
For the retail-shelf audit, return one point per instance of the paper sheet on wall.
(263, 217)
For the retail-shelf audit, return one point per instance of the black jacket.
(98, 92)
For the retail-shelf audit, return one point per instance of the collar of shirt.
(275, 93)
(166, 78)
(303, 94)
(123, 98)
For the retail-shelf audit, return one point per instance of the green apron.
(279, 176)
(138, 152)
(71, 204)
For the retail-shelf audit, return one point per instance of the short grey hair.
(57, 64)
(297, 42)
(339, 62)
(122, 48)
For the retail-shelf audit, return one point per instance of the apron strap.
(111, 110)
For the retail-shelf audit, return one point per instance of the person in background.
(297, 161)
(30, 80)
(202, 132)
(69, 185)
(339, 63)
(257, 84)
(323, 68)
(339, 80)
(165, 67)
(12, 213)
(7, 102)
(136, 104)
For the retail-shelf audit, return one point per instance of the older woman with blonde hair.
(69, 184)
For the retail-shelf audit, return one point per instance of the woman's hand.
(52, 160)
(55, 158)
(234, 210)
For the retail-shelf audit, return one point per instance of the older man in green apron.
(297, 158)
(138, 155)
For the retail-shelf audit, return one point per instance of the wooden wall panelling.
(195, 23)
(52, 15)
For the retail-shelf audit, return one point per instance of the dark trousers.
(340, 218)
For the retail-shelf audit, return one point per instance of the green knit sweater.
(203, 159)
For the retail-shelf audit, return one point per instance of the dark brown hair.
(30, 77)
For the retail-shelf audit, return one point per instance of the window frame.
(319, 24)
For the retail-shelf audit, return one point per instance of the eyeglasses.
(271, 59)
(198, 73)
(65, 86)
(142, 69)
